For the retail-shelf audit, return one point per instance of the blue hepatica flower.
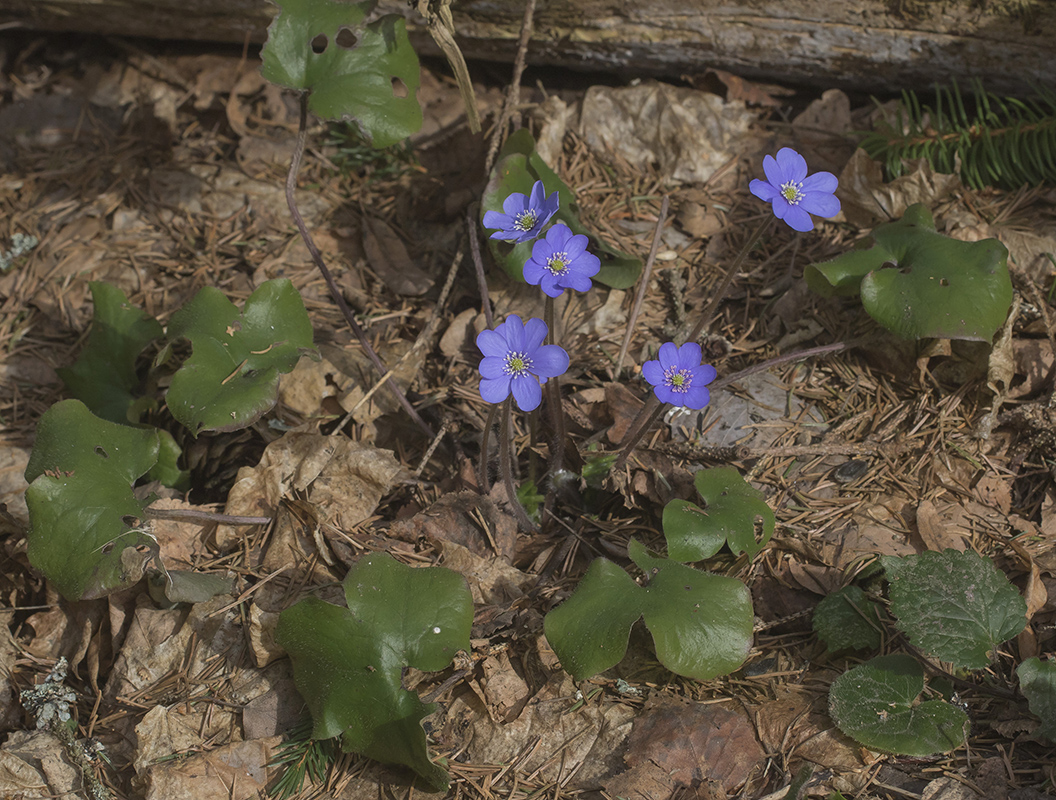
(792, 194)
(561, 261)
(516, 359)
(525, 215)
(678, 377)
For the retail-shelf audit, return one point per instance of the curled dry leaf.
(390, 260)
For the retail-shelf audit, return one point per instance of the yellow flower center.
(678, 379)
(517, 363)
(557, 263)
(792, 192)
(525, 221)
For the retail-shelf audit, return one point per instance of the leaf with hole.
(732, 507)
(84, 533)
(918, 283)
(232, 377)
(848, 620)
(364, 72)
(104, 375)
(701, 623)
(348, 662)
(878, 704)
(1037, 681)
(955, 606)
(517, 169)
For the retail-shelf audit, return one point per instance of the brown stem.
(643, 285)
(335, 292)
(506, 467)
(205, 517)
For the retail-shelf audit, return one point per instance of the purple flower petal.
(696, 397)
(761, 189)
(515, 204)
(689, 355)
(527, 393)
(495, 390)
(668, 355)
(792, 164)
(577, 246)
(513, 331)
(705, 374)
(492, 343)
(549, 284)
(653, 372)
(798, 219)
(820, 204)
(534, 334)
(492, 367)
(549, 361)
(775, 176)
(820, 182)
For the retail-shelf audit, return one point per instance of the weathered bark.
(856, 44)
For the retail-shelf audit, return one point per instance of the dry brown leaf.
(504, 691)
(937, 530)
(1033, 361)
(693, 742)
(390, 260)
(168, 730)
(464, 518)
(797, 723)
(33, 765)
(233, 772)
(342, 480)
(867, 200)
(751, 92)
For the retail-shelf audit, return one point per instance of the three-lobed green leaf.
(732, 507)
(232, 377)
(955, 606)
(701, 623)
(353, 70)
(918, 283)
(348, 662)
(877, 704)
(82, 511)
(104, 375)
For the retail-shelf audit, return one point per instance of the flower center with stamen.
(678, 379)
(792, 192)
(558, 263)
(517, 364)
(525, 220)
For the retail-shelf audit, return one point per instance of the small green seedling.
(848, 620)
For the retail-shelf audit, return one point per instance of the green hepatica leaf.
(368, 73)
(104, 375)
(848, 620)
(347, 662)
(517, 169)
(955, 606)
(1037, 681)
(876, 703)
(232, 377)
(701, 623)
(918, 283)
(82, 511)
(732, 507)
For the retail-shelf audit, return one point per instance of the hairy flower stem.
(506, 467)
(335, 292)
(651, 410)
(553, 388)
(485, 486)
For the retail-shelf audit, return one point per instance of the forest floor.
(163, 172)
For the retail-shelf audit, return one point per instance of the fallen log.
(865, 45)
